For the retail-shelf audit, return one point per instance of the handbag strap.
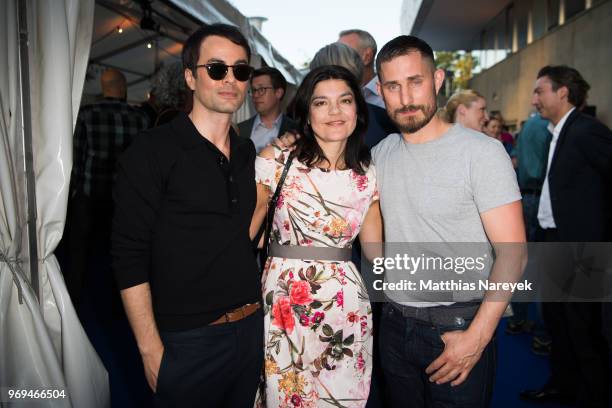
(267, 227)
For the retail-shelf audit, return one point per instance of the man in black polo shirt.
(184, 198)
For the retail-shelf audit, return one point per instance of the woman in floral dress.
(318, 325)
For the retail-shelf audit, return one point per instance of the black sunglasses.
(218, 70)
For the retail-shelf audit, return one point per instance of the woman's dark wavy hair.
(356, 154)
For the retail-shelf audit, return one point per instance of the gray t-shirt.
(436, 191)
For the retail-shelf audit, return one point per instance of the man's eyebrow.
(389, 82)
(237, 62)
(414, 77)
(410, 78)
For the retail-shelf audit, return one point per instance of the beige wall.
(583, 43)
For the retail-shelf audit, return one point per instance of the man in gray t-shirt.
(439, 184)
(435, 192)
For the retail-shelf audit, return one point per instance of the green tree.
(461, 64)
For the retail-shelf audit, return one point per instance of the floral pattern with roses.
(318, 325)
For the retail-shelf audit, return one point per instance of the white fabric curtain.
(43, 345)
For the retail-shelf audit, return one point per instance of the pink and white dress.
(317, 314)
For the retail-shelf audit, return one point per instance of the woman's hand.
(286, 141)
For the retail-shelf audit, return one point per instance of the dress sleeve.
(265, 170)
(268, 171)
(372, 176)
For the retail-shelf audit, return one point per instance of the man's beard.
(413, 124)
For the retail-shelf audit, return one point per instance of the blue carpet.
(517, 369)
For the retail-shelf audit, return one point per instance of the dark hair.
(356, 154)
(191, 49)
(562, 75)
(277, 79)
(403, 45)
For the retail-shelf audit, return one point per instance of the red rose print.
(361, 181)
(340, 298)
(318, 317)
(282, 315)
(300, 293)
(279, 203)
(296, 400)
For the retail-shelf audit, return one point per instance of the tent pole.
(26, 115)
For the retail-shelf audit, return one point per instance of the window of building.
(573, 7)
(538, 18)
(552, 13)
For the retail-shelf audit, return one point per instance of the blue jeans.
(408, 346)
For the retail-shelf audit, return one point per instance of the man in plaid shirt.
(103, 131)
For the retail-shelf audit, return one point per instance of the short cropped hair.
(562, 75)
(191, 49)
(366, 40)
(277, 79)
(341, 55)
(403, 45)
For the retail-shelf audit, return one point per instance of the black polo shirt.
(181, 223)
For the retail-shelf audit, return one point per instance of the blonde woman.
(468, 108)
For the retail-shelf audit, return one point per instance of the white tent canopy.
(46, 55)
(121, 40)
(42, 343)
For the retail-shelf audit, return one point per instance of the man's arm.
(139, 309)
(505, 229)
(137, 195)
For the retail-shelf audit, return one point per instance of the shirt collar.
(189, 136)
(556, 129)
(371, 86)
(258, 121)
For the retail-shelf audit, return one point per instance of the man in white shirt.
(575, 206)
(363, 42)
(268, 88)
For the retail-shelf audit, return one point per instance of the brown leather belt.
(237, 314)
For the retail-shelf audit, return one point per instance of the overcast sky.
(299, 29)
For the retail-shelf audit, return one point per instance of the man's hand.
(152, 362)
(139, 310)
(462, 350)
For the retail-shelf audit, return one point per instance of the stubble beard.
(214, 103)
(412, 124)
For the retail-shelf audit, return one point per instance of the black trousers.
(212, 366)
(579, 356)
(606, 322)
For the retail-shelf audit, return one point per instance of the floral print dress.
(318, 318)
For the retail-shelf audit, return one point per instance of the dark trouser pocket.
(161, 374)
